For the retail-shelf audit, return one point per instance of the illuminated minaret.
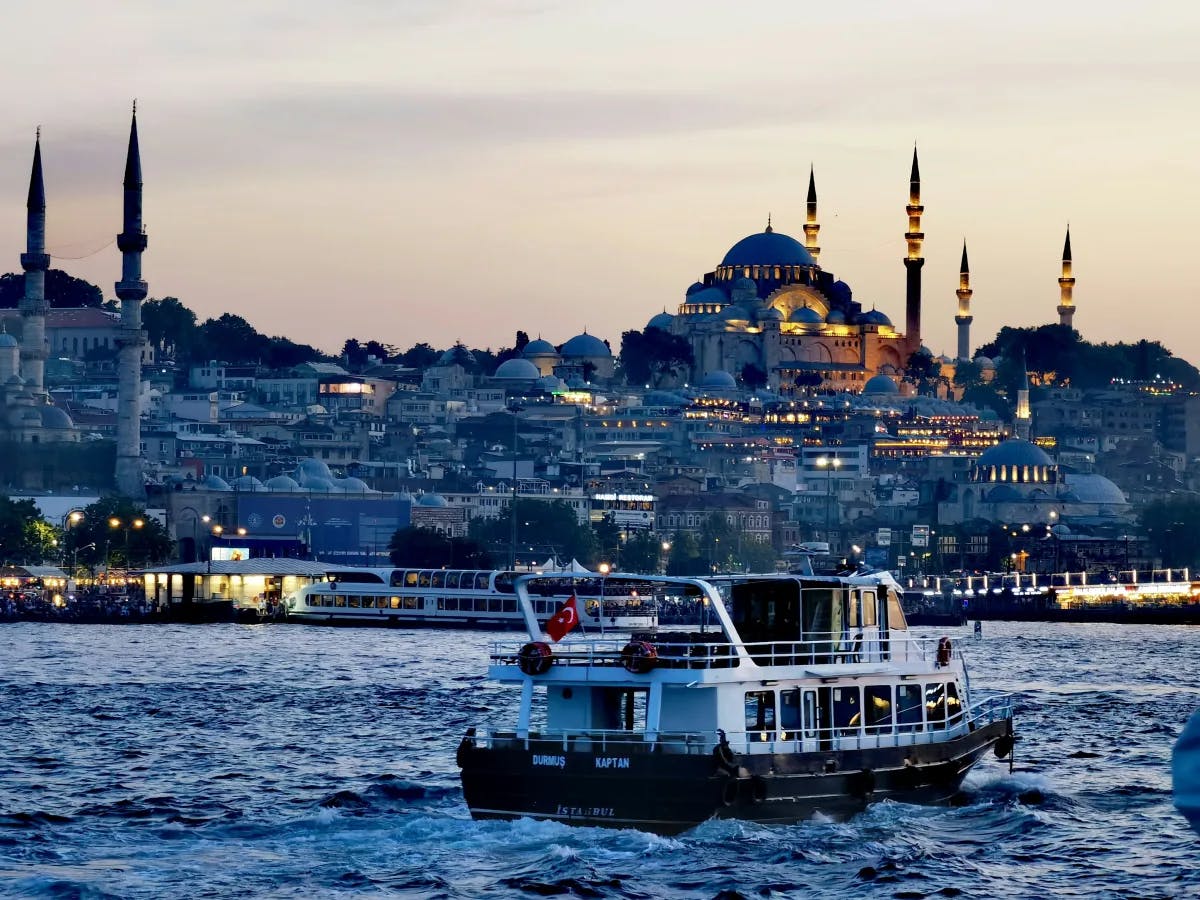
(964, 317)
(914, 261)
(132, 291)
(35, 261)
(1066, 286)
(810, 224)
(1024, 418)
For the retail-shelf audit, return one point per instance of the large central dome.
(768, 248)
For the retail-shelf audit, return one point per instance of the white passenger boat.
(808, 695)
(467, 598)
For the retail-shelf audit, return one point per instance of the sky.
(406, 171)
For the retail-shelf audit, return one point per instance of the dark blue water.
(284, 761)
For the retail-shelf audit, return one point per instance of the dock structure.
(245, 584)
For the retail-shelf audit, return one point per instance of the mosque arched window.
(745, 271)
(777, 271)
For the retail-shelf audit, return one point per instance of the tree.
(419, 356)
(109, 533)
(1173, 530)
(753, 377)
(642, 552)
(685, 558)
(25, 537)
(63, 291)
(425, 548)
(647, 356)
(967, 373)
(231, 339)
(544, 528)
(170, 326)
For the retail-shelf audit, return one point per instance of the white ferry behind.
(467, 598)
(809, 695)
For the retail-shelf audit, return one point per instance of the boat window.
(423, 579)
(868, 609)
(339, 600)
(877, 707)
(411, 603)
(852, 606)
(451, 603)
(438, 580)
(895, 613)
(760, 715)
(395, 603)
(789, 715)
(456, 579)
(504, 582)
(510, 604)
(397, 578)
(495, 604)
(846, 709)
(909, 702)
(953, 704)
(935, 704)
(410, 579)
(352, 602)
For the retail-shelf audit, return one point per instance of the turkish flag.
(563, 620)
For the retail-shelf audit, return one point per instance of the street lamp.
(829, 464)
(217, 530)
(666, 555)
(75, 557)
(604, 568)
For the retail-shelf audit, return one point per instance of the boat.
(808, 695)
(466, 598)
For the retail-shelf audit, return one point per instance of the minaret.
(810, 225)
(1066, 286)
(132, 291)
(964, 317)
(35, 261)
(1024, 418)
(914, 261)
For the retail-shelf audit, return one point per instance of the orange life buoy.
(535, 658)
(639, 657)
(945, 652)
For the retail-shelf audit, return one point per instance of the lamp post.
(75, 557)
(829, 464)
(216, 532)
(666, 555)
(604, 569)
(512, 509)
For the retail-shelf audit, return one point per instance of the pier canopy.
(245, 582)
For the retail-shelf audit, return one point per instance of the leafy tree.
(1173, 530)
(232, 339)
(550, 527)
(108, 531)
(424, 548)
(419, 356)
(25, 537)
(967, 373)
(753, 377)
(685, 558)
(63, 291)
(354, 354)
(642, 552)
(608, 542)
(282, 353)
(984, 396)
(170, 326)
(647, 356)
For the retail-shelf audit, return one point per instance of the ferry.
(808, 695)
(468, 598)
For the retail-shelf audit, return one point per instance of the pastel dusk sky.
(433, 170)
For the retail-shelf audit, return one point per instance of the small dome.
(517, 369)
(53, 417)
(7, 340)
(734, 313)
(662, 321)
(874, 317)
(770, 248)
(1060, 529)
(448, 358)
(984, 363)
(880, 384)
(539, 348)
(312, 468)
(1015, 452)
(584, 345)
(696, 286)
(840, 293)
(771, 314)
(434, 500)
(1003, 493)
(318, 484)
(805, 315)
(353, 485)
(745, 284)
(709, 295)
(719, 381)
(576, 383)
(1095, 489)
(551, 383)
(247, 483)
(835, 317)
(282, 483)
(215, 483)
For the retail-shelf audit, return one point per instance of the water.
(283, 761)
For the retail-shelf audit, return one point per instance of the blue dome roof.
(735, 313)
(805, 315)
(313, 468)
(282, 483)
(517, 369)
(836, 317)
(696, 286)
(1015, 452)
(436, 500)
(719, 380)
(771, 314)
(539, 348)
(768, 248)
(216, 483)
(662, 321)
(708, 295)
(1095, 489)
(840, 292)
(585, 345)
(1003, 493)
(7, 340)
(880, 384)
(247, 483)
(874, 317)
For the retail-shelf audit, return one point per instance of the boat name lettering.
(541, 759)
(588, 812)
(612, 762)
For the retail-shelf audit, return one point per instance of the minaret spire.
(35, 261)
(131, 290)
(1066, 286)
(810, 222)
(964, 317)
(914, 260)
(1024, 417)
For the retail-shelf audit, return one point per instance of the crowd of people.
(88, 604)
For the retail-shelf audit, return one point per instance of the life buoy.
(945, 652)
(535, 658)
(639, 657)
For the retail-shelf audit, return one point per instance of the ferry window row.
(850, 710)
(441, 578)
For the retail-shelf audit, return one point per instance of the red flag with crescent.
(564, 619)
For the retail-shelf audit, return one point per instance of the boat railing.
(778, 738)
(709, 650)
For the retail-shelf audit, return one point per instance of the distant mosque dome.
(984, 363)
(874, 317)
(1095, 489)
(719, 381)
(1015, 452)
(432, 500)
(840, 293)
(770, 248)
(313, 468)
(835, 317)
(7, 340)
(1015, 461)
(734, 313)
(709, 295)
(353, 485)
(215, 483)
(282, 483)
(448, 358)
(247, 483)
(539, 348)
(584, 345)
(517, 369)
(551, 384)
(771, 314)
(880, 384)
(695, 286)
(745, 284)
(805, 315)
(53, 417)
(662, 321)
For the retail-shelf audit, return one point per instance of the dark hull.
(668, 793)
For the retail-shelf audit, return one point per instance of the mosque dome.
(840, 293)
(984, 363)
(1015, 452)
(53, 417)
(805, 315)
(539, 348)
(874, 317)
(718, 381)
(353, 485)
(663, 321)
(7, 340)
(313, 468)
(1060, 529)
(215, 483)
(517, 369)
(835, 317)
(695, 286)
(771, 314)
(551, 383)
(880, 384)
(713, 295)
(1095, 489)
(734, 313)
(247, 483)
(318, 484)
(769, 248)
(448, 358)
(583, 345)
(1003, 493)
(745, 284)
(433, 500)
(282, 483)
